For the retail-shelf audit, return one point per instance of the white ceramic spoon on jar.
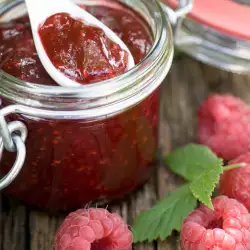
(40, 10)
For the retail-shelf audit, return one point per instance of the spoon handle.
(40, 10)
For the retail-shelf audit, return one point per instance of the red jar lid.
(225, 16)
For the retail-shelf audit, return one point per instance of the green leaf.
(167, 215)
(192, 160)
(199, 165)
(204, 184)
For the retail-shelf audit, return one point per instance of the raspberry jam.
(88, 55)
(73, 162)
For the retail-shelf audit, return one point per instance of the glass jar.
(87, 144)
(215, 32)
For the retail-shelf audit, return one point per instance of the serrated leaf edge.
(158, 237)
(220, 162)
(198, 198)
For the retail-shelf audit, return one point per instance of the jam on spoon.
(58, 15)
(83, 53)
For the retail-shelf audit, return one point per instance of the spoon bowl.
(40, 10)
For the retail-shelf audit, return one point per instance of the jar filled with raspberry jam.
(92, 143)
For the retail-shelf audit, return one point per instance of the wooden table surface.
(187, 85)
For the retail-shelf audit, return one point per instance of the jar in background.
(215, 32)
(96, 143)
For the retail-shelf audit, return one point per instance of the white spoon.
(40, 10)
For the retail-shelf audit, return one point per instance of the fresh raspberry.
(227, 227)
(235, 183)
(223, 125)
(93, 229)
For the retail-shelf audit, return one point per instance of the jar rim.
(139, 81)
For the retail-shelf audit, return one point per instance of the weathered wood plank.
(1, 222)
(227, 83)
(141, 200)
(14, 231)
(42, 230)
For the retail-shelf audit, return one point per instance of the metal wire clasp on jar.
(12, 138)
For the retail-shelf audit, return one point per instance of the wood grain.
(14, 221)
(187, 85)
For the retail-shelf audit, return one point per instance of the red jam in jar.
(81, 52)
(73, 162)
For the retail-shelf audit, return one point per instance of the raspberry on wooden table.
(223, 125)
(235, 183)
(94, 229)
(225, 228)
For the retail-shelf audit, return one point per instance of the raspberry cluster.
(223, 126)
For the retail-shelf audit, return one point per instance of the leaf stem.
(233, 166)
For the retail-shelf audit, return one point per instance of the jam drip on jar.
(83, 53)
